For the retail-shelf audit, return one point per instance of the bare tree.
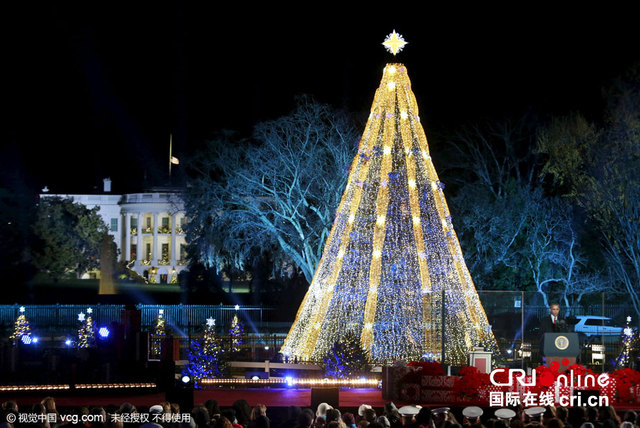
(553, 254)
(496, 153)
(598, 167)
(277, 193)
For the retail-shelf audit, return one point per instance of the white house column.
(172, 245)
(139, 245)
(127, 237)
(155, 254)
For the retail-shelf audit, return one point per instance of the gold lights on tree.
(392, 255)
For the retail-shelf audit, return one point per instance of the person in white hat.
(321, 411)
(408, 413)
(441, 414)
(362, 409)
(472, 414)
(366, 413)
(534, 414)
(504, 414)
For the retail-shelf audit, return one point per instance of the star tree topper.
(394, 42)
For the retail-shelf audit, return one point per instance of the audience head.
(349, 419)
(333, 415)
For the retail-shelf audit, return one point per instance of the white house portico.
(154, 239)
(148, 229)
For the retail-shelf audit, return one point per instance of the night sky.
(94, 89)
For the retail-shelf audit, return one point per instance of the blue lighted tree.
(346, 358)
(206, 356)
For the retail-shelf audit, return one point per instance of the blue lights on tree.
(207, 359)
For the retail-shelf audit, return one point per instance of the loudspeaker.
(330, 396)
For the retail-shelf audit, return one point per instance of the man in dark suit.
(552, 323)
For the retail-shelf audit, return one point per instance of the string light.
(361, 382)
(392, 251)
(7, 388)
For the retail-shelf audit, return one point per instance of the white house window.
(114, 224)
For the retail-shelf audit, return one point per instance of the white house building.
(147, 227)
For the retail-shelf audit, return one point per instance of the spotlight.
(186, 379)
(104, 332)
(237, 307)
(255, 378)
(266, 348)
(289, 380)
(509, 351)
(35, 340)
(68, 342)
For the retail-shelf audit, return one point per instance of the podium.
(480, 359)
(558, 346)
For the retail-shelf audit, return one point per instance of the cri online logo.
(547, 378)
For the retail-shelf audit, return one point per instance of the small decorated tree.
(629, 345)
(157, 335)
(346, 358)
(207, 359)
(87, 331)
(236, 333)
(21, 327)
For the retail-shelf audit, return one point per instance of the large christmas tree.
(392, 254)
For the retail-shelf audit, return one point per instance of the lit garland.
(629, 344)
(236, 332)
(392, 251)
(159, 333)
(86, 332)
(21, 327)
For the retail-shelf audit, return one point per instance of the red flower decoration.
(470, 381)
(545, 377)
(626, 380)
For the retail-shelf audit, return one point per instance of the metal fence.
(180, 317)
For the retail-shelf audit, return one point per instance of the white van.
(594, 325)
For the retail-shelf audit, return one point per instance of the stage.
(349, 398)
(271, 397)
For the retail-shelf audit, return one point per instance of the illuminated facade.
(392, 254)
(147, 227)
